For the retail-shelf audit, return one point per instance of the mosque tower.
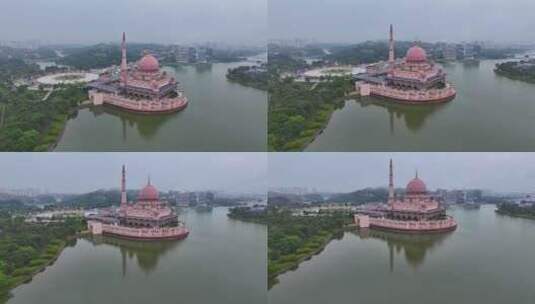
(391, 185)
(391, 45)
(124, 65)
(123, 188)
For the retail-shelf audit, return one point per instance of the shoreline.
(523, 78)
(273, 278)
(25, 279)
(29, 277)
(529, 217)
(52, 146)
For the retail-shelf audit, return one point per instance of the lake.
(488, 259)
(222, 261)
(490, 113)
(221, 116)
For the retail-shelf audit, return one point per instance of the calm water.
(222, 261)
(221, 116)
(488, 259)
(490, 113)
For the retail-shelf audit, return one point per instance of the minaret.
(391, 184)
(123, 188)
(391, 45)
(124, 65)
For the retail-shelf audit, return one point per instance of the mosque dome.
(416, 186)
(416, 54)
(148, 193)
(148, 63)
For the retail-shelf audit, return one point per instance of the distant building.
(185, 54)
(449, 52)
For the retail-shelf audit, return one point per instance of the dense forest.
(27, 123)
(26, 248)
(298, 111)
(361, 196)
(14, 68)
(293, 239)
(102, 55)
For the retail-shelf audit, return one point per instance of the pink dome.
(148, 63)
(416, 54)
(149, 193)
(416, 186)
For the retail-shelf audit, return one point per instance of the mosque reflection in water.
(414, 247)
(146, 254)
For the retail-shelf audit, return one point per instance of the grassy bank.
(295, 239)
(28, 248)
(291, 262)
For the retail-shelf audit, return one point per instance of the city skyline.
(85, 172)
(159, 21)
(330, 172)
(355, 21)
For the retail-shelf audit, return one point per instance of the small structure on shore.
(74, 77)
(416, 212)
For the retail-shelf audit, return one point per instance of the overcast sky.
(427, 20)
(164, 21)
(345, 172)
(83, 172)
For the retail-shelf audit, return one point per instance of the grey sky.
(428, 20)
(166, 21)
(81, 172)
(507, 172)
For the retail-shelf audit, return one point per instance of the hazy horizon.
(85, 172)
(233, 22)
(349, 21)
(346, 172)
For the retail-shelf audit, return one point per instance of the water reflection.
(147, 254)
(414, 116)
(146, 125)
(414, 247)
(203, 67)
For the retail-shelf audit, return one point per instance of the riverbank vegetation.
(250, 76)
(31, 124)
(27, 248)
(517, 70)
(517, 210)
(294, 239)
(255, 214)
(299, 111)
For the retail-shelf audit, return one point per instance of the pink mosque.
(147, 219)
(416, 212)
(412, 80)
(140, 88)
